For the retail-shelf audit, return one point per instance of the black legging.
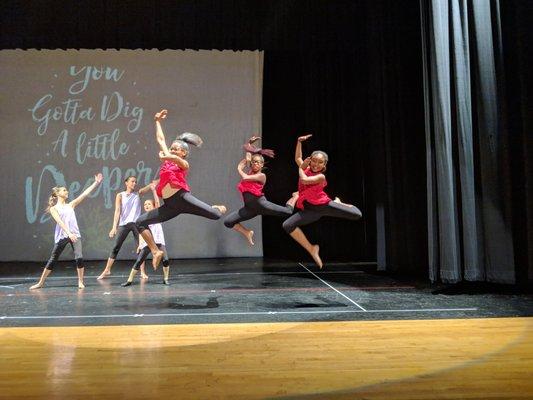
(312, 213)
(145, 251)
(58, 249)
(122, 233)
(254, 206)
(181, 202)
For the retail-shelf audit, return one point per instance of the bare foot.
(292, 201)
(38, 285)
(144, 276)
(221, 208)
(157, 257)
(250, 237)
(316, 257)
(337, 200)
(104, 274)
(81, 285)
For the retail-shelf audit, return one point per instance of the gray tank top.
(67, 215)
(131, 207)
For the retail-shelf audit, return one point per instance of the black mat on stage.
(241, 290)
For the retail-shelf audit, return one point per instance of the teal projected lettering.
(89, 73)
(68, 111)
(102, 146)
(51, 176)
(113, 106)
(88, 122)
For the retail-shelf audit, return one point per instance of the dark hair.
(250, 148)
(128, 178)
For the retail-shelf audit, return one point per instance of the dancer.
(173, 187)
(251, 188)
(313, 202)
(144, 251)
(67, 231)
(127, 210)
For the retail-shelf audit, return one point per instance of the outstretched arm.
(57, 218)
(310, 180)
(145, 189)
(159, 134)
(259, 177)
(97, 179)
(298, 153)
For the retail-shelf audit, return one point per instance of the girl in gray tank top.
(143, 250)
(66, 231)
(127, 210)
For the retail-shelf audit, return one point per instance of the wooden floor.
(423, 359)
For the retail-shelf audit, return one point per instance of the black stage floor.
(239, 290)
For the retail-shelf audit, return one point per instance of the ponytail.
(187, 138)
(191, 138)
(52, 200)
(251, 148)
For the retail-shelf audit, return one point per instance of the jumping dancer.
(127, 210)
(173, 187)
(67, 231)
(251, 188)
(144, 251)
(313, 202)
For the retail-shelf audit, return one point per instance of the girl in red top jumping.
(251, 188)
(313, 202)
(173, 187)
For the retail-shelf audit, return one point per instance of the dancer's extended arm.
(298, 153)
(159, 134)
(97, 179)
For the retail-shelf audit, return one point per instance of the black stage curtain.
(396, 142)
(182, 24)
(350, 72)
(365, 107)
(517, 33)
(322, 93)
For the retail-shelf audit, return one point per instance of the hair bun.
(191, 138)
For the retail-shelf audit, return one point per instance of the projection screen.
(66, 115)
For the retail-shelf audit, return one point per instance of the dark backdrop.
(350, 72)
